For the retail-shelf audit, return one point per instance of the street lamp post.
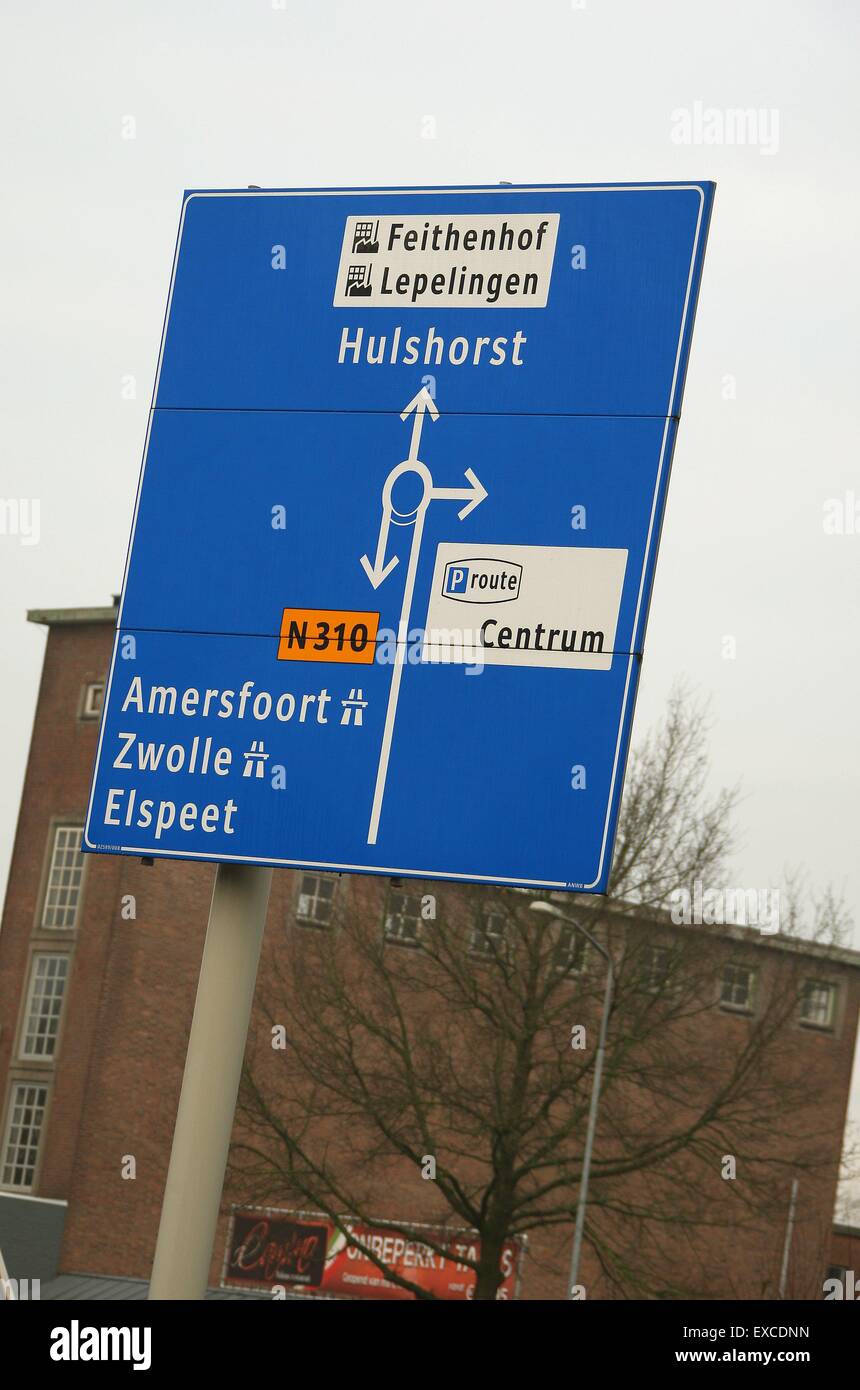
(582, 1201)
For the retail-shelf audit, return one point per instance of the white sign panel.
(525, 605)
(455, 262)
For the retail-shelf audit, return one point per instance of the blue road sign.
(396, 528)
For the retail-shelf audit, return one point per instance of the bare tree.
(672, 828)
(475, 1048)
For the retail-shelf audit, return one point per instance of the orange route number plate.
(327, 634)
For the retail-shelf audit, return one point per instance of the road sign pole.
(550, 910)
(210, 1084)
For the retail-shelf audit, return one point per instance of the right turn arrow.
(476, 493)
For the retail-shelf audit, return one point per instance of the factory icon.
(358, 284)
(365, 238)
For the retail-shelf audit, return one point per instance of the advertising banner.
(306, 1253)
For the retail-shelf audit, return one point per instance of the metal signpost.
(573, 1285)
(395, 537)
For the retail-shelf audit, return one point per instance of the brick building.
(99, 959)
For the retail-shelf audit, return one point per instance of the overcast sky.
(308, 92)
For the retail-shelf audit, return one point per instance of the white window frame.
(747, 1005)
(569, 951)
(656, 969)
(486, 943)
(308, 917)
(58, 867)
(398, 928)
(93, 700)
(831, 988)
(33, 1150)
(50, 1034)
(650, 981)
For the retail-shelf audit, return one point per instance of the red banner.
(306, 1253)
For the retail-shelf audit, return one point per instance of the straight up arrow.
(421, 405)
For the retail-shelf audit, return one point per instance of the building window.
(403, 917)
(656, 966)
(818, 1003)
(488, 938)
(738, 988)
(48, 975)
(63, 889)
(23, 1133)
(569, 952)
(93, 699)
(315, 902)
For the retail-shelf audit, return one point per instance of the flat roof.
(748, 935)
(113, 1288)
(65, 617)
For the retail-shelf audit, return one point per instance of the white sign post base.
(210, 1085)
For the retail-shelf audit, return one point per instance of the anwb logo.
(482, 581)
